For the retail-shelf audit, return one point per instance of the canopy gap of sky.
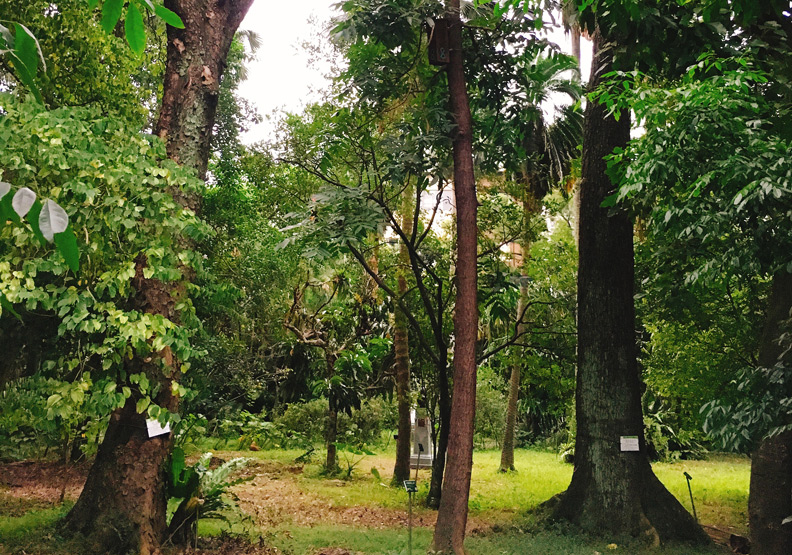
(283, 77)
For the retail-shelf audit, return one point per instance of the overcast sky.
(280, 77)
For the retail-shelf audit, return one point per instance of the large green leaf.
(66, 243)
(111, 13)
(135, 33)
(169, 17)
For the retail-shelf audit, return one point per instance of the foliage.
(23, 51)
(117, 188)
(364, 425)
(199, 488)
(490, 407)
(84, 64)
(712, 177)
(134, 29)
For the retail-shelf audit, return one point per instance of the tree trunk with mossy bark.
(449, 534)
(122, 507)
(770, 499)
(613, 492)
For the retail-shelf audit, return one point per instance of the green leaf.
(6, 304)
(66, 243)
(169, 17)
(135, 33)
(52, 219)
(111, 13)
(6, 210)
(92, 4)
(26, 48)
(33, 218)
(25, 58)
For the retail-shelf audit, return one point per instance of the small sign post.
(411, 487)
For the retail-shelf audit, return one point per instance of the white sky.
(280, 77)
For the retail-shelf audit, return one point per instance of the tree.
(612, 490)
(123, 502)
(401, 347)
(717, 194)
(449, 535)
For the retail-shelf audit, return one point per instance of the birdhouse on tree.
(438, 43)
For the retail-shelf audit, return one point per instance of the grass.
(720, 488)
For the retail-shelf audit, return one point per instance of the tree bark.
(612, 492)
(401, 347)
(122, 506)
(770, 498)
(449, 532)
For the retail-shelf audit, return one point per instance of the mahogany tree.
(122, 506)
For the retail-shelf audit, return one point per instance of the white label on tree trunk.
(630, 443)
(155, 428)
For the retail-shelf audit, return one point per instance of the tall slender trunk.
(122, 506)
(530, 208)
(507, 452)
(331, 421)
(444, 408)
(449, 535)
(612, 491)
(401, 347)
(770, 499)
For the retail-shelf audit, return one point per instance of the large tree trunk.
(449, 532)
(122, 506)
(401, 347)
(770, 500)
(612, 492)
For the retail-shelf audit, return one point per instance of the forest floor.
(288, 507)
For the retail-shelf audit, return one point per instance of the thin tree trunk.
(444, 406)
(122, 506)
(576, 43)
(612, 492)
(401, 347)
(530, 208)
(507, 453)
(449, 535)
(770, 499)
(331, 436)
(331, 422)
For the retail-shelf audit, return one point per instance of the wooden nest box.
(438, 43)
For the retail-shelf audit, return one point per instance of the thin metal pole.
(692, 504)
(409, 527)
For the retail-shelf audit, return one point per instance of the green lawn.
(502, 502)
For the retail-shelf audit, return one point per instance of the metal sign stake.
(689, 478)
(411, 487)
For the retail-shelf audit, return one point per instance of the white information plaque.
(155, 428)
(630, 443)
